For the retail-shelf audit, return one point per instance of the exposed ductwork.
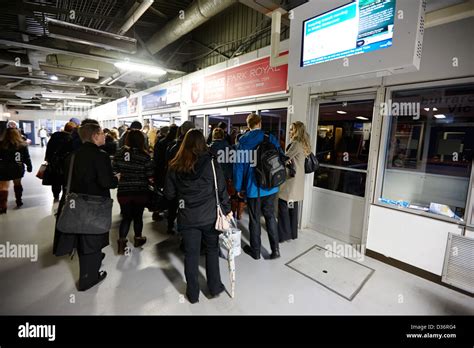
(199, 12)
(135, 16)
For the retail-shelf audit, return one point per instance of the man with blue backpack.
(258, 172)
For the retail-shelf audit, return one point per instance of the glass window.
(342, 146)
(429, 154)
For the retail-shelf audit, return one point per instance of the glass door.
(343, 135)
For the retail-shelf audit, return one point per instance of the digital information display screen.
(359, 27)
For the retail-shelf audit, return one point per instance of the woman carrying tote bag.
(91, 175)
(292, 190)
(190, 180)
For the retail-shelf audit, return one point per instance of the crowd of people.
(178, 162)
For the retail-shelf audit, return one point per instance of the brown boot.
(122, 245)
(3, 202)
(18, 193)
(139, 241)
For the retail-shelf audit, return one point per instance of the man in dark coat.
(58, 148)
(92, 174)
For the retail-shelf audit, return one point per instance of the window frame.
(384, 144)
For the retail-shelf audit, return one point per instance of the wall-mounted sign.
(164, 98)
(122, 108)
(132, 105)
(246, 80)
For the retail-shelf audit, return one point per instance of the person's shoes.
(122, 244)
(248, 250)
(18, 193)
(215, 295)
(275, 255)
(102, 276)
(192, 300)
(139, 241)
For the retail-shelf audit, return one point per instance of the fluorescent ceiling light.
(53, 77)
(53, 95)
(428, 109)
(341, 112)
(142, 68)
(439, 116)
(7, 114)
(362, 118)
(434, 109)
(265, 110)
(80, 79)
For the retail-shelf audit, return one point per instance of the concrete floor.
(151, 280)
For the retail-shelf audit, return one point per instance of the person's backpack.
(270, 170)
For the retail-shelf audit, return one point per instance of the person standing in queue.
(136, 172)
(92, 174)
(292, 190)
(259, 199)
(190, 180)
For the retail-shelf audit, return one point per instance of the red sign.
(246, 80)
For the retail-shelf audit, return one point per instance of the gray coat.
(293, 188)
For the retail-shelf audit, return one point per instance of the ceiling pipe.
(135, 16)
(199, 12)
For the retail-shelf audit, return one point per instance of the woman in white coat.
(292, 190)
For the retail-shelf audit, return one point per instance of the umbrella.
(228, 242)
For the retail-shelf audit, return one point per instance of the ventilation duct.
(199, 12)
(86, 36)
(69, 71)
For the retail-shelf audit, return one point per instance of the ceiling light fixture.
(142, 68)
(79, 104)
(341, 112)
(80, 79)
(53, 77)
(440, 116)
(362, 118)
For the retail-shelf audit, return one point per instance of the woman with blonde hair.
(14, 156)
(292, 190)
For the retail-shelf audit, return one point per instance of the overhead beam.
(53, 50)
(28, 9)
(450, 14)
(265, 7)
(60, 83)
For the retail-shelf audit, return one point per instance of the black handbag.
(311, 164)
(83, 213)
(157, 200)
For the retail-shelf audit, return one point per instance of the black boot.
(18, 193)
(3, 202)
(275, 254)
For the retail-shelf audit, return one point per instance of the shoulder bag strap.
(215, 182)
(69, 177)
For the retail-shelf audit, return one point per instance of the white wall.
(417, 240)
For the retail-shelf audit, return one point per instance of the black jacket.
(159, 157)
(218, 149)
(196, 194)
(92, 171)
(110, 146)
(58, 148)
(13, 161)
(92, 174)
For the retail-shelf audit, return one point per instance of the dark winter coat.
(110, 146)
(218, 149)
(93, 175)
(135, 169)
(13, 161)
(159, 158)
(58, 148)
(195, 193)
